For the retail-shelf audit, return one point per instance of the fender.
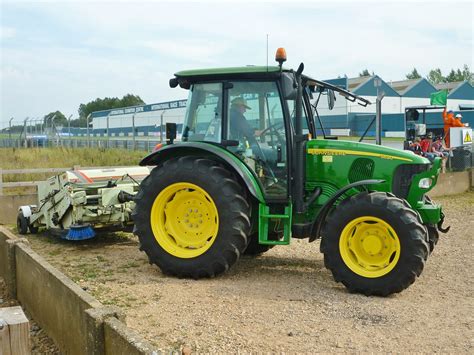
(318, 223)
(206, 149)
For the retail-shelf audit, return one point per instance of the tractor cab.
(255, 113)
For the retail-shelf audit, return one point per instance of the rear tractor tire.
(192, 217)
(374, 244)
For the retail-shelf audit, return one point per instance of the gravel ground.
(284, 301)
(40, 343)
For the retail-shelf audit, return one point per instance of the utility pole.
(378, 111)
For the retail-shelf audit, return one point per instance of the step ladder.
(264, 220)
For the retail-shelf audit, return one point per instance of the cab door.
(259, 129)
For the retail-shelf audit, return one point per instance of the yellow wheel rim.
(369, 246)
(184, 220)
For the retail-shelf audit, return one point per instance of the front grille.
(403, 177)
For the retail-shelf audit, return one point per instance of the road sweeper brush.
(74, 203)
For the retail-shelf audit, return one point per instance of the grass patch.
(61, 157)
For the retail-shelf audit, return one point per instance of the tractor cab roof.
(187, 77)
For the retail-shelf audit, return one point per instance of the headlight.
(425, 183)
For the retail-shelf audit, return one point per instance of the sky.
(55, 55)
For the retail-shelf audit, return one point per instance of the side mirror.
(170, 132)
(331, 98)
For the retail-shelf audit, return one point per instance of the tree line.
(58, 119)
(435, 76)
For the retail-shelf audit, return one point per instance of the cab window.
(203, 120)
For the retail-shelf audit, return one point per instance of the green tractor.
(249, 174)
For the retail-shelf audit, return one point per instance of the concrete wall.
(9, 206)
(54, 299)
(453, 183)
(71, 317)
(119, 340)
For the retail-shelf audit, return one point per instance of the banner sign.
(169, 105)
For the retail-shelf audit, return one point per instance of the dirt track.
(284, 301)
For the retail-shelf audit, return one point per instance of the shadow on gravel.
(99, 241)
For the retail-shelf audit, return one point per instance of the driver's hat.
(240, 101)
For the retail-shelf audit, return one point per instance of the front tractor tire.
(192, 217)
(374, 244)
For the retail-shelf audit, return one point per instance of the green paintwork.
(415, 194)
(264, 220)
(244, 169)
(430, 213)
(328, 164)
(230, 70)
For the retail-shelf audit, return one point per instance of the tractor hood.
(341, 147)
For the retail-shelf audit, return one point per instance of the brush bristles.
(80, 233)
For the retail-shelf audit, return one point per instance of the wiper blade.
(344, 93)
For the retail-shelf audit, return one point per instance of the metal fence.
(145, 145)
(460, 159)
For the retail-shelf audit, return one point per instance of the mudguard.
(329, 203)
(209, 151)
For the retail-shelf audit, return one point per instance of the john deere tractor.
(249, 174)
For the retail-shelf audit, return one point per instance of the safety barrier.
(77, 322)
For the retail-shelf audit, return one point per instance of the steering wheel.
(274, 128)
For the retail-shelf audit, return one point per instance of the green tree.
(460, 75)
(413, 74)
(108, 103)
(365, 72)
(436, 77)
(467, 74)
(59, 119)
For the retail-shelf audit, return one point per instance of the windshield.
(204, 113)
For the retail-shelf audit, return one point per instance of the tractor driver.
(239, 127)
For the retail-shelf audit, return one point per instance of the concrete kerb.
(8, 241)
(120, 340)
(95, 318)
(73, 318)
